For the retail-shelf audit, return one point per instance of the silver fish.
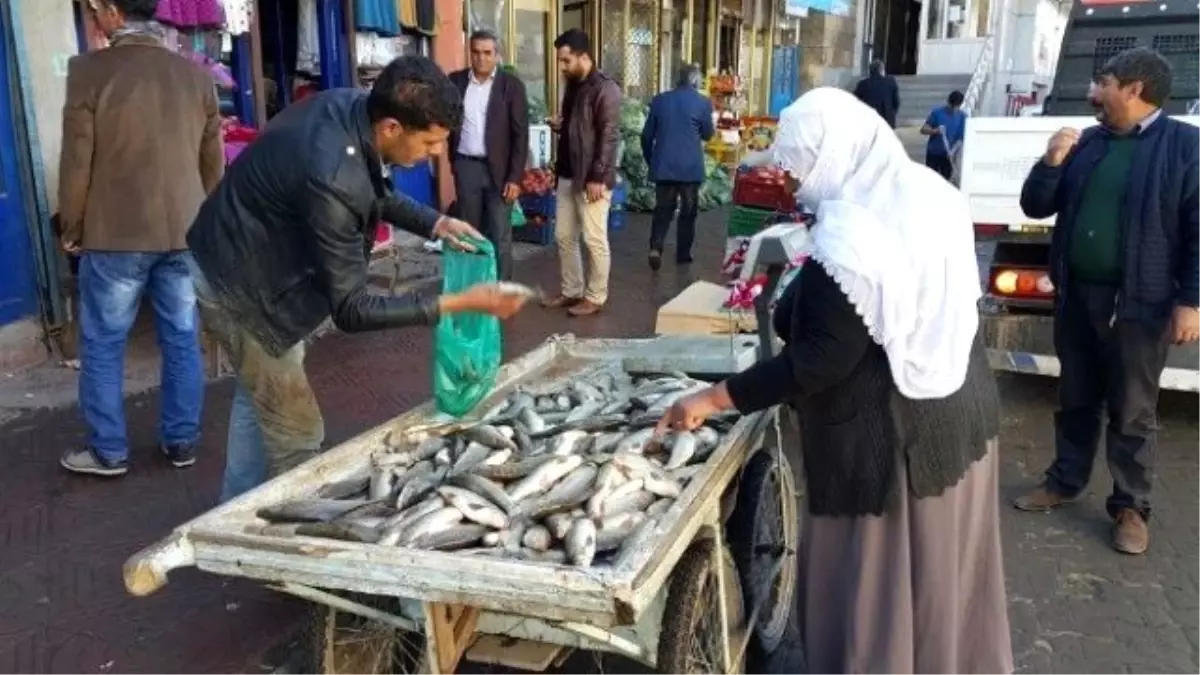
(536, 538)
(580, 543)
(636, 442)
(474, 454)
(559, 524)
(532, 420)
(516, 532)
(552, 418)
(658, 508)
(497, 457)
(685, 474)
(444, 457)
(496, 411)
(708, 437)
(608, 441)
(344, 489)
(505, 429)
(545, 404)
(562, 403)
(394, 529)
(344, 531)
(609, 477)
(494, 538)
(544, 476)
(416, 489)
(308, 510)
(474, 507)
(683, 447)
(595, 505)
(585, 391)
(640, 535)
(632, 465)
(621, 504)
(611, 539)
(382, 480)
(435, 522)
(567, 443)
(657, 482)
(452, 537)
(422, 468)
(522, 439)
(661, 405)
(425, 449)
(511, 470)
(584, 411)
(620, 405)
(567, 494)
(490, 436)
(489, 490)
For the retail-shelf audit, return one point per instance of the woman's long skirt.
(917, 590)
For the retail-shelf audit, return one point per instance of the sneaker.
(181, 455)
(86, 461)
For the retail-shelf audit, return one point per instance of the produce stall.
(677, 555)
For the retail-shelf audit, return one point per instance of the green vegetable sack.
(467, 347)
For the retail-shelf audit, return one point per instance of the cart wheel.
(340, 642)
(764, 526)
(690, 637)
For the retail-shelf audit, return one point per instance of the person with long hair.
(900, 561)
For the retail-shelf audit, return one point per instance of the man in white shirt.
(492, 147)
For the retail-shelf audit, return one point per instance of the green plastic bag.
(467, 349)
(516, 216)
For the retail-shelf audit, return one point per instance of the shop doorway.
(895, 34)
(18, 286)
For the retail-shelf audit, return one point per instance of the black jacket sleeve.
(409, 214)
(827, 340)
(518, 119)
(1039, 194)
(337, 247)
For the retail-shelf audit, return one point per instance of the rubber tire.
(324, 622)
(685, 601)
(740, 531)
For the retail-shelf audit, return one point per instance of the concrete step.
(921, 93)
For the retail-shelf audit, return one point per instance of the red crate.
(762, 195)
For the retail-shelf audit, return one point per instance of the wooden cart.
(718, 578)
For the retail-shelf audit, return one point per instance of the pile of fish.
(568, 473)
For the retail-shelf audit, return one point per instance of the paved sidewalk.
(1076, 606)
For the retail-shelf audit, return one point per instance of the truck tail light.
(1022, 283)
(990, 229)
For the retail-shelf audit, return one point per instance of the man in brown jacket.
(141, 150)
(586, 167)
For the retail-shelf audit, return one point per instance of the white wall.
(1033, 41)
(48, 31)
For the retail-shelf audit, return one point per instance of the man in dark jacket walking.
(282, 245)
(880, 91)
(679, 123)
(1125, 260)
(588, 132)
(491, 149)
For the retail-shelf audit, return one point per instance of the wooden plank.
(699, 309)
(513, 653)
(449, 630)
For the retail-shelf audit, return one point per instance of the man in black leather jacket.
(283, 243)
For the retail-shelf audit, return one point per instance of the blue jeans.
(245, 452)
(111, 285)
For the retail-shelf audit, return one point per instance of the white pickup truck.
(1018, 324)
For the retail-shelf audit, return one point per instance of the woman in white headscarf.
(900, 560)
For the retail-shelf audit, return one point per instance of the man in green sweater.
(1125, 261)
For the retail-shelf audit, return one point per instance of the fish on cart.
(567, 473)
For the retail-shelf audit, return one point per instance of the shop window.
(728, 46)
(935, 22)
(530, 42)
(700, 14)
(613, 39)
(981, 14)
(489, 15)
(640, 76)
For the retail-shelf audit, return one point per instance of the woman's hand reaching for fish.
(690, 412)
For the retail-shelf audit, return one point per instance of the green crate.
(746, 221)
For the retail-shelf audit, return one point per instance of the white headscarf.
(894, 235)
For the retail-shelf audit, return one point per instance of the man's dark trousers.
(666, 195)
(940, 163)
(481, 203)
(1106, 364)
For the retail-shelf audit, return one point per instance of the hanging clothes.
(308, 42)
(191, 13)
(426, 17)
(237, 16)
(377, 16)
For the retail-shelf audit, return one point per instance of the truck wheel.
(690, 636)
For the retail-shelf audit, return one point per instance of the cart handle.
(146, 571)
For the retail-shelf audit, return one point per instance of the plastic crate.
(745, 221)
(616, 221)
(762, 195)
(541, 234)
(539, 205)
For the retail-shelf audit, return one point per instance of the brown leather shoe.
(584, 308)
(560, 301)
(1042, 499)
(1130, 534)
